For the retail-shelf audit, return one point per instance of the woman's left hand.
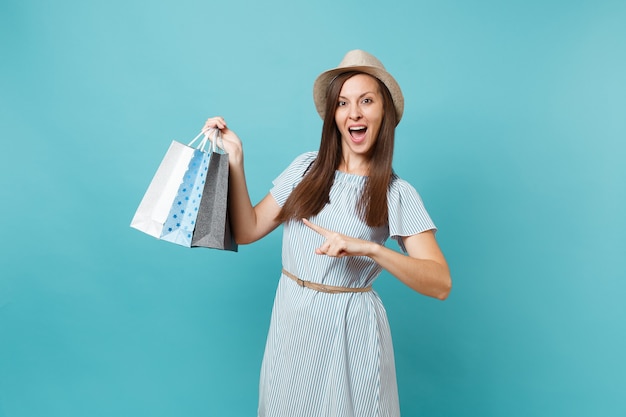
(338, 245)
(424, 268)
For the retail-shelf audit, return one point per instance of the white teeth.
(358, 128)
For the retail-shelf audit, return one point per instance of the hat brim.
(320, 87)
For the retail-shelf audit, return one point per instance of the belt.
(324, 288)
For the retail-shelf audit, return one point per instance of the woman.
(329, 349)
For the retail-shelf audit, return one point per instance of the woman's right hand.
(232, 143)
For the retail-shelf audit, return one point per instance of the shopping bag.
(212, 228)
(156, 205)
(181, 219)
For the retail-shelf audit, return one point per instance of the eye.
(367, 100)
(341, 103)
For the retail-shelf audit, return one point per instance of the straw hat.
(357, 60)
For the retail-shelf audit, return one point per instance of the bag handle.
(217, 144)
(213, 144)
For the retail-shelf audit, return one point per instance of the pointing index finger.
(315, 228)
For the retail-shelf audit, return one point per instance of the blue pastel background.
(514, 133)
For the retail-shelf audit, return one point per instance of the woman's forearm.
(426, 276)
(241, 211)
(249, 223)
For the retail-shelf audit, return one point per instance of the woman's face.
(359, 115)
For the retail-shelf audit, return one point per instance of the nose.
(355, 112)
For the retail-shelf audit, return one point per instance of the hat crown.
(359, 58)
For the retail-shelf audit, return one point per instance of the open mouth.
(358, 133)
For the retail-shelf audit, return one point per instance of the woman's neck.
(356, 166)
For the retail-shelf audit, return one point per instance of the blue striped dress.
(331, 355)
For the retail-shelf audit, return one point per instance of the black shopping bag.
(212, 223)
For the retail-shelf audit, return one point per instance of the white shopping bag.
(154, 209)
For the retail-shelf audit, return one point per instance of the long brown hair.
(312, 193)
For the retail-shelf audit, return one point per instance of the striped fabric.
(331, 355)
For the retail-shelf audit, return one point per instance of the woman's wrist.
(373, 249)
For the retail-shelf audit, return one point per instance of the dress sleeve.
(407, 214)
(291, 177)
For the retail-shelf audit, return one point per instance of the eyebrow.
(362, 95)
